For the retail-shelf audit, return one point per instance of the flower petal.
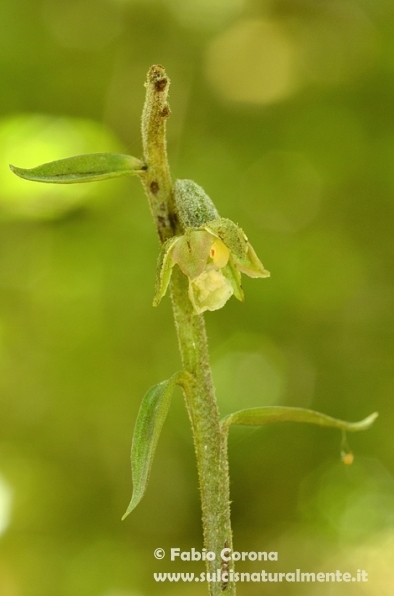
(234, 275)
(219, 253)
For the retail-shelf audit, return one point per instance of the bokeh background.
(283, 112)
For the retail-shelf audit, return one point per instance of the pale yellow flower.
(212, 257)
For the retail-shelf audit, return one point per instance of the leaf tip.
(14, 169)
(370, 419)
(20, 172)
(132, 505)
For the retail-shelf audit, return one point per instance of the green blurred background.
(283, 112)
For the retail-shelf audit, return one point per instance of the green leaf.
(268, 414)
(151, 416)
(83, 168)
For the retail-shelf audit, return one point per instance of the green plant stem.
(156, 180)
(209, 440)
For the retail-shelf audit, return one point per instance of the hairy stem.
(209, 442)
(156, 180)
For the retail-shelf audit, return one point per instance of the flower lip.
(210, 290)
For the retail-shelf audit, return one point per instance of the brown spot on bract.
(173, 220)
(154, 187)
(160, 84)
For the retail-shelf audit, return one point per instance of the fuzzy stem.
(209, 441)
(156, 180)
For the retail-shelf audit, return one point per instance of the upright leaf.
(83, 168)
(150, 419)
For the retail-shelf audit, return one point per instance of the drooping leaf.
(150, 419)
(83, 168)
(269, 414)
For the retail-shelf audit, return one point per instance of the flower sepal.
(242, 252)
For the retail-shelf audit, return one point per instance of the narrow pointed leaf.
(151, 416)
(83, 168)
(267, 415)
